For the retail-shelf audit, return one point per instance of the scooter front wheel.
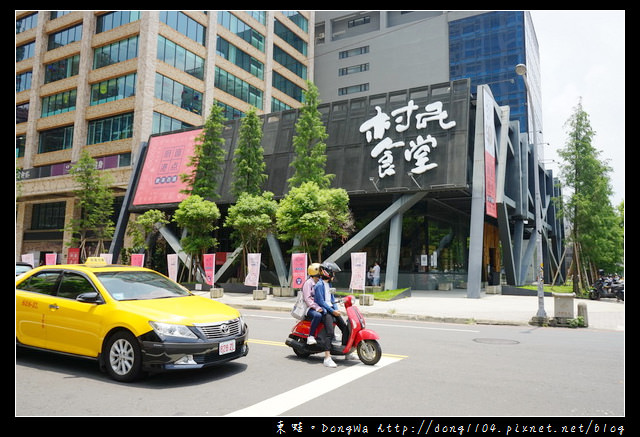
(369, 352)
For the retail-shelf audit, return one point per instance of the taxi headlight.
(169, 330)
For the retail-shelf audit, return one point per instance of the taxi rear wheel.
(122, 357)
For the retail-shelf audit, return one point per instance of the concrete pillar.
(393, 252)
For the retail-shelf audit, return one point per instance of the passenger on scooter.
(314, 310)
(325, 299)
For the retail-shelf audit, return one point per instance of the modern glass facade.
(487, 47)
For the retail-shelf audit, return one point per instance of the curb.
(413, 317)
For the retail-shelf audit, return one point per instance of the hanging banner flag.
(50, 258)
(209, 262)
(253, 270)
(358, 270)
(137, 259)
(298, 269)
(107, 257)
(73, 255)
(172, 266)
(28, 258)
(489, 157)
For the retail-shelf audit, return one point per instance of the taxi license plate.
(226, 347)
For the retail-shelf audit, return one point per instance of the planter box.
(284, 291)
(259, 294)
(493, 289)
(445, 286)
(366, 299)
(372, 288)
(216, 292)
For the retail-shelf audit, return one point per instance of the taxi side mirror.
(90, 297)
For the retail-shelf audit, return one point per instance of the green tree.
(595, 227)
(314, 216)
(207, 162)
(198, 216)
(95, 201)
(249, 167)
(144, 232)
(308, 144)
(252, 218)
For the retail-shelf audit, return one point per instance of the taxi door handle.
(53, 306)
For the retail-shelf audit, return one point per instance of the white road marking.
(284, 402)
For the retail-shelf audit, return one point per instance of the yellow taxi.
(132, 320)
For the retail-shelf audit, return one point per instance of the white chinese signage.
(378, 131)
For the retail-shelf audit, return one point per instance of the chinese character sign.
(299, 269)
(379, 132)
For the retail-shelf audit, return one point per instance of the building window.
(290, 37)
(184, 24)
(286, 86)
(289, 62)
(230, 84)
(298, 19)
(359, 21)
(22, 113)
(26, 23)
(48, 216)
(353, 69)
(59, 103)
(118, 51)
(113, 89)
(180, 58)
(21, 141)
(353, 52)
(115, 19)
(163, 123)
(241, 29)
(243, 60)
(110, 129)
(178, 94)
(56, 139)
(353, 89)
(25, 51)
(61, 69)
(64, 37)
(23, 81)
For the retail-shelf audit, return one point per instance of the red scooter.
(365, 341)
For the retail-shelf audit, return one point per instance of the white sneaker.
(328, 362)
(311, 340)
(351, 356)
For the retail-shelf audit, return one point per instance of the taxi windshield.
(139, 285)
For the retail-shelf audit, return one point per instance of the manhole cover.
(495, 341)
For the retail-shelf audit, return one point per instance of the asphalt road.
(427, 369)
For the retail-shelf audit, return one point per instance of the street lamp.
(540, 318)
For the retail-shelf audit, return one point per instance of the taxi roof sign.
(95, 261)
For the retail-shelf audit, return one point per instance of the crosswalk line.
(286, 401)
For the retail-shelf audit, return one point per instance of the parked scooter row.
(607, 286)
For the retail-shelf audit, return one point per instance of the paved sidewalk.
(455, 307)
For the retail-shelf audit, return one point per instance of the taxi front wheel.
(123, 358)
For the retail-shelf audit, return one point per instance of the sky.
(582, 56)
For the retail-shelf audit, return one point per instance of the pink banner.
(209, 262)
(50, 258)
(253, 270)
(172, 265)
(137, 259)
(358, 270)
(73, 255)
(298, 269)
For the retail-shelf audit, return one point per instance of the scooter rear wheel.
(369, 352)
